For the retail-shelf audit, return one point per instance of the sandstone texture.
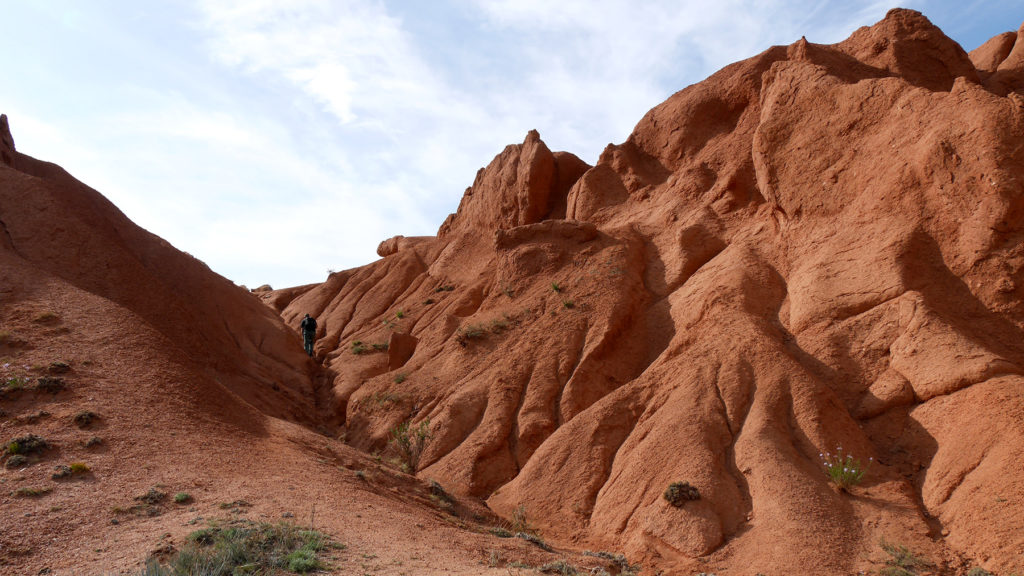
(820, 247)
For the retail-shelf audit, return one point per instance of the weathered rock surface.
(815, 247)
(820, 246)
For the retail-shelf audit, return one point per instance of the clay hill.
(815, 249)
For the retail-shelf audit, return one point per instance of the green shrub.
(182, 498)
(400, 377)
(568, 304)
(27, 445)
(843, 469)
(470, 332)
(679, 493)
(556, 287)
(445, 288)
(901, 561)
(13, 383)
(408, 441)
(381, 347)
(400, 314)
(245, 547)
(78, 467)
(358, 347)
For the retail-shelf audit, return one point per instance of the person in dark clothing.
(308, 327)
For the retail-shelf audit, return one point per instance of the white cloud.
(367, 117)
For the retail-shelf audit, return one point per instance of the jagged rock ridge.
(815, 247)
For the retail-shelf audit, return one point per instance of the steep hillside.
(151, 374)
(816, 247)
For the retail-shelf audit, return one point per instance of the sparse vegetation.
(470, 332)
(979, 571)
(520, 522)
(58, 367)
(94, 441)
(29, 444)
(444, 288)
(152, 497)
(400, 377)
(569, 304)
(61, 471)
(359, 348)
(502, 532)
(234, 505)
(51, 384)
(182, 498)
(15, 461)
(559, 567)
(843, 469)
(901, 561)
(85, 418)
(13, 383)
(47, 317)
(499, 325)
(28, 492)
(428, 301)
(625, 568)
(245, 547)
(380, 347)
(679, 493)
(400, 314)
(535, 540)
(79, 467)
(409, 441)
(556, 287)
(440, 496)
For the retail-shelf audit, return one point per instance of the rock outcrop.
(816, 247)
(819, 247)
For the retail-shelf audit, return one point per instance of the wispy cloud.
(276, 140)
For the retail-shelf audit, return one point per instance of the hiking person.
(308, 327)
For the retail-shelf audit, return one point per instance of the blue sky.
(278, 140)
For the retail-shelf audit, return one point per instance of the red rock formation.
(819, 246)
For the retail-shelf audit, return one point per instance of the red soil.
(820, 246)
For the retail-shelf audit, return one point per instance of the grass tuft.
(901, 561)
(246, 547)
(32, 492)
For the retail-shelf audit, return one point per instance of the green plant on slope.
(245, 547)
(901, 561)
(408, 441)
(843, 469)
